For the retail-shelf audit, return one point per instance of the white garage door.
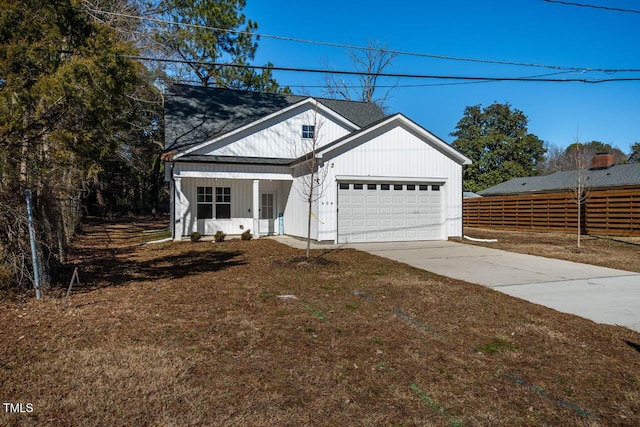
(375, 212)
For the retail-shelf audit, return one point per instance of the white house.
(240, 161)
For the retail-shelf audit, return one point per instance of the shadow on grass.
(109, 272)
(633, 345)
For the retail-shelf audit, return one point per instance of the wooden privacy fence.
(612, 212)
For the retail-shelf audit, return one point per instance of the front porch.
(211, 204)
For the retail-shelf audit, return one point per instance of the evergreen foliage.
(634, 156)
(496, 139)
(81, 121)
(202, 46)
(66, 109)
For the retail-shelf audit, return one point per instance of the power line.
(356, 47)
(402, 86)
(395, 75)
(593, 6)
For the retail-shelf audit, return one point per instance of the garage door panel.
(400, 213)
(372, 198)
(358, 211)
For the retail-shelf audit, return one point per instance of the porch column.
(256, 208)
(177, 215)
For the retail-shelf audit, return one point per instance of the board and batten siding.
(296, 212)
(279, 137)
(392, 154)
(239, 178)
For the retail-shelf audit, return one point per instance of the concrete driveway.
(603, 295)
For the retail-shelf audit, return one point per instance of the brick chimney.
(602, 161)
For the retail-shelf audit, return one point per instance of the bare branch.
(371, 62)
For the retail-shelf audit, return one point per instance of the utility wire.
(401, 86)
(362, 73)
(369, 48)
(592, 6)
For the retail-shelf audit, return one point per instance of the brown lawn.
(185, 333)
(613, 252)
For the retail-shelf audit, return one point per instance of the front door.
(267, 212)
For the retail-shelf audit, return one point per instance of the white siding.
(395, 154)
(232, 171)
(241, 205)
(280, 137)
(297, 209)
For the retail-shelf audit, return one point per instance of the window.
(384, 186)
(308, 131)
(397, 186)
(357, 186)
(223, 202)
(371, 186)
(204, 208)
(411, 187)
(435, 187)
(344, 186)
(424, 187)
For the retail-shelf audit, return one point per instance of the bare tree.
(313, 175)
(564, 160)
(580, 160)
(371, 62)
(555, 160)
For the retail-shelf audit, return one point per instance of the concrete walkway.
(601, 294)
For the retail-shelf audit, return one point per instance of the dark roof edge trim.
(237, 160)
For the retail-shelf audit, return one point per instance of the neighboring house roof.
(470, 195)
(194, 115)
(615, 176)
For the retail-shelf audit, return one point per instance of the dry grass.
(182, 334)
(613, 252)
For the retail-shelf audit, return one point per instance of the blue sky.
(528, 31)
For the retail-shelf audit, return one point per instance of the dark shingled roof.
(615, 176)
(194, 115)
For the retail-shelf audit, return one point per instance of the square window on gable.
(308, 131)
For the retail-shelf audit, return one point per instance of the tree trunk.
(311, 187)
(579, 218)
(23, 162)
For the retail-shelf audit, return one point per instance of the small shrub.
(195, 236)
(246, 235)
(219, 236)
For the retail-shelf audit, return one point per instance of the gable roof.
(615, 176)
(437, 143)
(194, 115)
